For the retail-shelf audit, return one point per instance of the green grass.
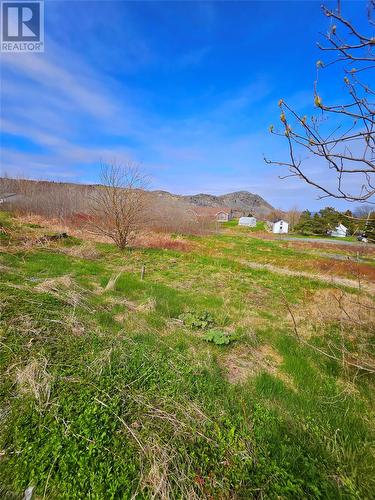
(107, 394)
(260, 226)
(324, 237)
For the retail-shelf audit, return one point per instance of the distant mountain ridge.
(242, 201)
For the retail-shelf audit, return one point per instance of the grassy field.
(193, 382)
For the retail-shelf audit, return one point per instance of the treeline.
(72, 204)
(361, 220)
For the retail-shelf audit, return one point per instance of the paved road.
(324, 240)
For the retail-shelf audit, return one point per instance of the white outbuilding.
(340, 231)
(280, 227)
(247, 221)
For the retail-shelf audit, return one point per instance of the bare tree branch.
(343, 136)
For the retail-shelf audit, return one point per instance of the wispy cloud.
(130, 80)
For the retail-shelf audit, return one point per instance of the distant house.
(247, 221)
(219, 214)
(11, 200)
(340, 231)
(6, 197)
(224, 215)
(280, 227)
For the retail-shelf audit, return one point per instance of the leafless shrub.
(293, 216)
(118, 205)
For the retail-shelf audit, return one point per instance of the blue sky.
(186, 89)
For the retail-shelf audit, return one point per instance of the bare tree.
(118, 204)
(276, 214)
(342, 136)
(293, 216)
(364, 212)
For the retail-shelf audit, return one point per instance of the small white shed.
(247, 221)
(339, 232)
(280, 227)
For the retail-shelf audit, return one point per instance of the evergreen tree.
(370, 227)
(305, 224)
(350, 222)
(329, 219)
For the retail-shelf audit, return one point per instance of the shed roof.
(275, 221)
(210, 211)
(4, 196)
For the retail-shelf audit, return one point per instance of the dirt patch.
(241, 363)
(258, 295)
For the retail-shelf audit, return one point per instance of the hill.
(63, 193)
(243, 201)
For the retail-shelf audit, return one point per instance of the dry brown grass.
(75, 326)
(87, 251)
(349, 268)
(352, 316)
(62, 226)
(55, 284)
(143, 239)
(362, 250)
(163, 241)
(41, 221)
(64, 288)
(144, 307)
(164, 471)
(112, 282)
(333, 305)
(26, 325)
(156, 478)
(34, 380)
(330, 278)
